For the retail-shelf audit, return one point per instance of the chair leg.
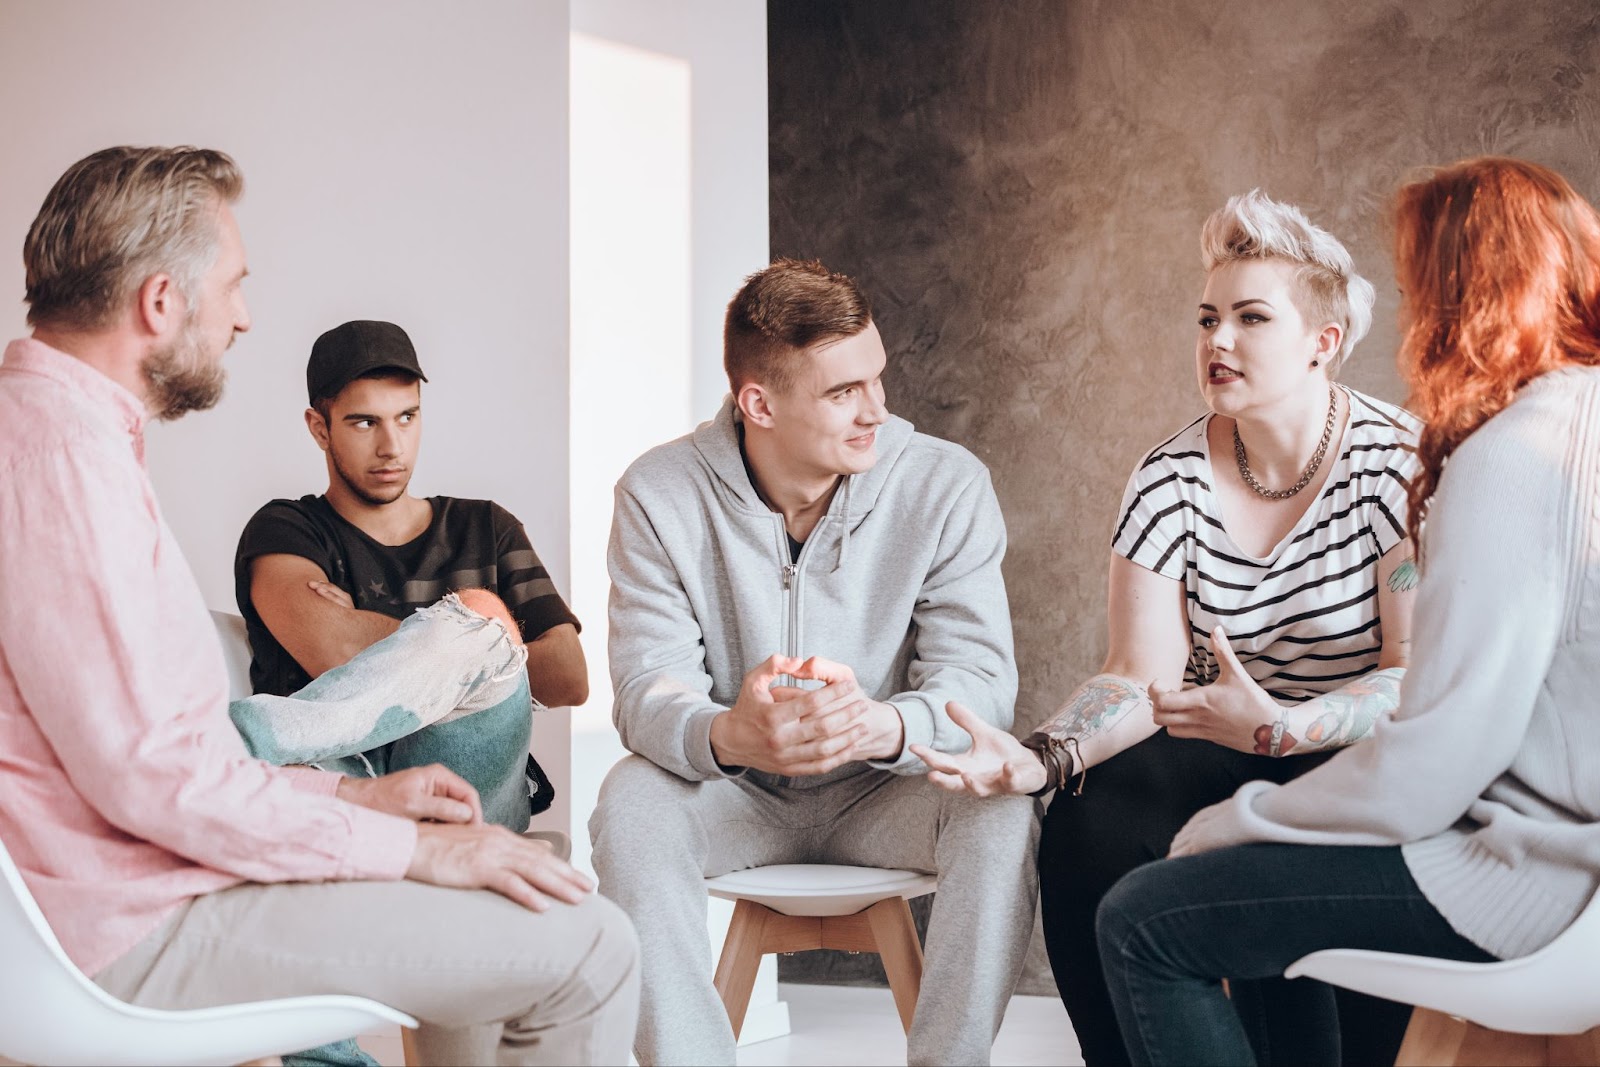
(896, 934)
(741, 957)
(408, 1044)
(1576, 1050)
(1431, 1039)
(1434, 1038)
(1483, 1047)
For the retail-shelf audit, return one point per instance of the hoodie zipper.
(791, 593)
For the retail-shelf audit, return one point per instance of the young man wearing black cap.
(320, 578)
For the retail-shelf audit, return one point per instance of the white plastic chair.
(1543, 1008)
(235, 652)
(794, 907)
(51, 1014)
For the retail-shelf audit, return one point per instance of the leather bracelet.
(1057, 775)
(1051, 767)
(1083, 768)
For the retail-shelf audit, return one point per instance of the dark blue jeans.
(1172, 930)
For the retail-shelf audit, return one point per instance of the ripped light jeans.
(450, 686)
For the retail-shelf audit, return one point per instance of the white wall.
(397, 166)
(409, 160)
(724, 45)
(403, 160)
(669, 213)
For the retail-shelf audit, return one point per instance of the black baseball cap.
(348, 351)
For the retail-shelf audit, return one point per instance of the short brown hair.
(117, 217)
(781, 311)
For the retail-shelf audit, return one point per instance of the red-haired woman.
(1469, 827)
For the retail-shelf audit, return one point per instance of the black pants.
(1171, 930)
(1131, 808)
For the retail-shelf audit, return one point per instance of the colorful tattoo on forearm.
(1344, 716)
(1095, 706)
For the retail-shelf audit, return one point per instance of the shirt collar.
(123, 409)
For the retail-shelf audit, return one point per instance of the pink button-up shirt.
(124, 788)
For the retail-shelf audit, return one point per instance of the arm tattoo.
(1095, 706)
(1405, 577)
(1346, 715)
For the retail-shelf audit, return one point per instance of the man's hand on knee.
(492, 857)
(783, 730)
(434, 792)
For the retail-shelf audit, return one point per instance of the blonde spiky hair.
(1327, 287)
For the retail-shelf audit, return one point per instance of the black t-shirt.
(469, 544)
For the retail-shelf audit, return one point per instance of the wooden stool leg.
(1483, 1047)
(408, 1045)
(896, 934)
(1432, 1038)
(1578, 1050)
(741, 957)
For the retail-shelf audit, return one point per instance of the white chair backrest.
(42, 992)
(236, 650)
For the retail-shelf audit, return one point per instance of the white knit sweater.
(1489, 773)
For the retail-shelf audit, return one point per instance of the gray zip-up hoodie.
(900, 581)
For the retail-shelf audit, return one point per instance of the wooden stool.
(794, 907)
(1434, 1038)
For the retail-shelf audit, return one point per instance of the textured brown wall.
(1020, 183)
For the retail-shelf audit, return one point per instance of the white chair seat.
(820, 889)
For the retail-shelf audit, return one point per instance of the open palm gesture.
(996, 763)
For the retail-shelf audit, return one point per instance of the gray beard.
(178, 380)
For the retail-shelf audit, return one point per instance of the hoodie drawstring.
(844, 535)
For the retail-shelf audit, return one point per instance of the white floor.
(847, 1025)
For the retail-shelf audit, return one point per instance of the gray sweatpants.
(656, 836)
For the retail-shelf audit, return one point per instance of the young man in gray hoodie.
(799, 587)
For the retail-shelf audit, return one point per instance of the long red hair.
(1498, 262)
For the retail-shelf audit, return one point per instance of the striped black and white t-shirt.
(1304, 618)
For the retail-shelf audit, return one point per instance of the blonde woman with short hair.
(1259, 592)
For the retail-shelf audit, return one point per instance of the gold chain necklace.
(1311, 468)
